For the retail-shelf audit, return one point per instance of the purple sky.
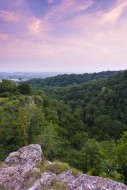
(63, 35)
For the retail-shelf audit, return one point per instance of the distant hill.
(70, 79)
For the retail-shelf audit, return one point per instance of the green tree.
(7, 87)
(49, 141)
(24, 88)
(30, 122)
(121, 152)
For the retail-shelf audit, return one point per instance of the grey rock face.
(45, 181)
(86, 182)
(26, 155)
(83, 182)
(21, 173)
(19, 166)
(67, 177)
(15, 177)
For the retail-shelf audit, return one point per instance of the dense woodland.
(70, 79)
(78, 120)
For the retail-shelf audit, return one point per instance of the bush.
(24, 88)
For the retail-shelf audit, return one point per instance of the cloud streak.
(67, 9)
(9, 16)
(114, 14)
(66, 35)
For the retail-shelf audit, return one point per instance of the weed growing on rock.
(30, 178)
(57, 186)
(57, 167)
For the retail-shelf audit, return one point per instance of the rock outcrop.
(86, 182)
(21, 173)
(20, 166)
(26, 155)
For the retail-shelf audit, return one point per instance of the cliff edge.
(20, 171)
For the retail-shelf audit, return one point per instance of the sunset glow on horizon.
(63, 35)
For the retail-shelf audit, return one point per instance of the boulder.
(26, 155)
(20, 169)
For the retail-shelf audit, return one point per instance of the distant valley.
(24, 76)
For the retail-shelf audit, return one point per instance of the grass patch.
(57, 167)
(2, 187)
(30, 178)
(1, 164)
(57, 186)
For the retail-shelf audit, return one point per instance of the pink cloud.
(76, 6)
(37, 26)
(65, 9)
(51, 42)
(114, 14)
(9, 16)
(100, 24)
(3, 37)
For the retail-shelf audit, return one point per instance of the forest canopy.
(82, 123)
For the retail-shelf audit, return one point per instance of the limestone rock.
(17, 177)
(67, 177)
(14, 154)
(21, 173)
(86, 182)
(28, 154)
(45, 181)
(20, 167)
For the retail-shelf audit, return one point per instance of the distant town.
(24, 76)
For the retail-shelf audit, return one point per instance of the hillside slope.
(84, 125)
(70, 79)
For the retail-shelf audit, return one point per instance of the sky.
(63, 35)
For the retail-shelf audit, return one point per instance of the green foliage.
(78, 124)
(6, 88)
(105, 127)
(110, 168)
(121, 152)
(9, 88)
(49, 141)
(57, 167)
(24, 88)
(76, 159)
(66, 79)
